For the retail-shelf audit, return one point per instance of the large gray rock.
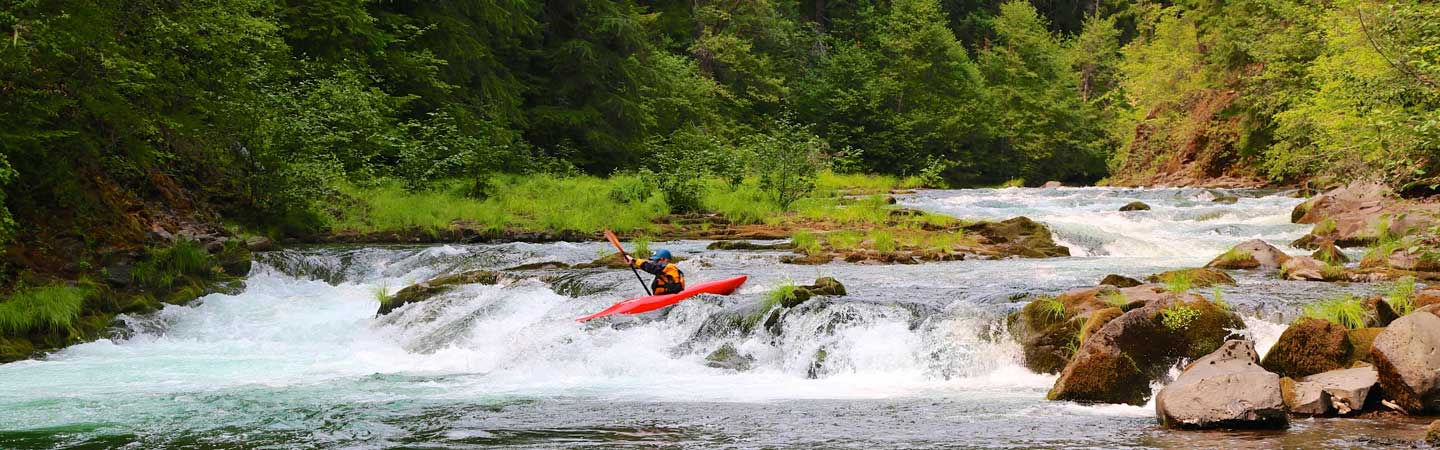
(1407, 355)
(1335, 392)
(1225, 389)
(1260, 255)
(1303, 268)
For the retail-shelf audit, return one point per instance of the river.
(915, 357)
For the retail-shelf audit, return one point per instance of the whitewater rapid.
(300, 356)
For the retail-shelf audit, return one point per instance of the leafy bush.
(787, 160)
(1178, 317)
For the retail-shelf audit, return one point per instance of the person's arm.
(647, 266)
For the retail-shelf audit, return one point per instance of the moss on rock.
(1307, 347)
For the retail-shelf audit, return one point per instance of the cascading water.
(915, 356)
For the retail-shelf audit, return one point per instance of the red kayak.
(646, 304)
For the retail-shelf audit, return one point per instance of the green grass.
(1346, 310)
(1401, 296)
(1382, 249)
(1178, 317)
(856, 183)
(1236, 255)
(884, 241)
(533, 202)
(1050, 307)
(807, 242)
(1333, 272)
(1219, 300)
(865, 210)
(844, 240)
(642, 247)
(1325, 227)
(166, 266)
(774, 298)
(1179, 282)
(382, 294)
(745, 203)
(52, 308)
(1013, 183)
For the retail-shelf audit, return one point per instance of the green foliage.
(884, 241)
(1178, 317)
(1346, 310)
(1401, 295)
(48, 308)
(806, 242)
(164, 268)
(743, 203)
(787, 160)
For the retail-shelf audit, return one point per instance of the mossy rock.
(1328, 253)
(1117, 363)
(747, 245)
(544, 265)
(1307, 347)
(1135, 206)
(1361, 341)
(1199, 277)
(15, 348)
(1098, 319)
(426, 290)
(726, 357)
(1019, 236)
(1048, 330)
(1120, 281)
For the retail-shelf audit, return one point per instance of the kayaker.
(668, 278)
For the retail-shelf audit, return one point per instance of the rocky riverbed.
(903, 356)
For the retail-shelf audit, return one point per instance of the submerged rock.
(423, 291)
(1135, 206)
(1407, 355)
(1224, 389)
(1120, 281)
(1251, 254)
(1225, 199)
(726, 357)
(1124, 356)
(1019, 236)
(1308, 347)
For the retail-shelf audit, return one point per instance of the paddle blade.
(615, 241)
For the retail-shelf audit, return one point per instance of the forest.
(266, 113)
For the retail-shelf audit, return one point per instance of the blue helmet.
(661, 254)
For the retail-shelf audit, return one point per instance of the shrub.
(1347, 311)
(787, 159)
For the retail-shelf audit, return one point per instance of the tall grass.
(785, 291)
(1179, 282)
(743, 203)
(1401, 296)
(884, 241)
(1347, 311)
(844, 240)
(1050, 307)
(865, 210)
(857, 183)
(52, 308)
(165, 266)
(807, 242)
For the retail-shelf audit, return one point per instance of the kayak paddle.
(616, 242)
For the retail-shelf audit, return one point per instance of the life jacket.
(669, 279)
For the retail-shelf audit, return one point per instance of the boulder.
(1344, 391)
(1121, 359)
(259, 243)
(1019, 236)
(1120, 281)
(1353, 215)
(1251, 254)
(1199, 278)
(1308, 347)
(423, 291)
(1224, 389)
(1098, 319)
(726, 357)
(1407, 354)
(1328, 253)
(1048, 329)
(1135, 206)
(1303, 398)
(1052, 184)
(1303, 268)
(824, 286)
